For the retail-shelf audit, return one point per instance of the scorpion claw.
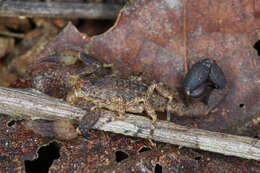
(196, 76)
(216, 75)
(199, 74)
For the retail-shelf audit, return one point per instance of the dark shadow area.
(197, 158)
(94, 27)
(158, 168)
(47, 154)
(11, 123)
(257, 47)
(144, 148)
(120, 155)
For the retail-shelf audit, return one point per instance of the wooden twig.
(59, 10)
(11, 34)
(33, 105)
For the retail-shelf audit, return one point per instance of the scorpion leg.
(117, 105)
(199, 108)
(163, 91)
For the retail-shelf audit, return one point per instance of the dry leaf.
(160, 37)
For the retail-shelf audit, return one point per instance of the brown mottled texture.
(97, 151)
(149, 37)
(133, 95)
(58, 129)
(6, 46)
(50, 75)
(175, 160)
(24, 55)
(34, 105)
(48, 78)
(97, 154)
(87, 154)
(16, 146)
(88, 121)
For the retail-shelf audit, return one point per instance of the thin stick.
(59, 10)
(33, 105)
(11, 34)
(185, 36)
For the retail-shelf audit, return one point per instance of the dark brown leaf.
(155, 36)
